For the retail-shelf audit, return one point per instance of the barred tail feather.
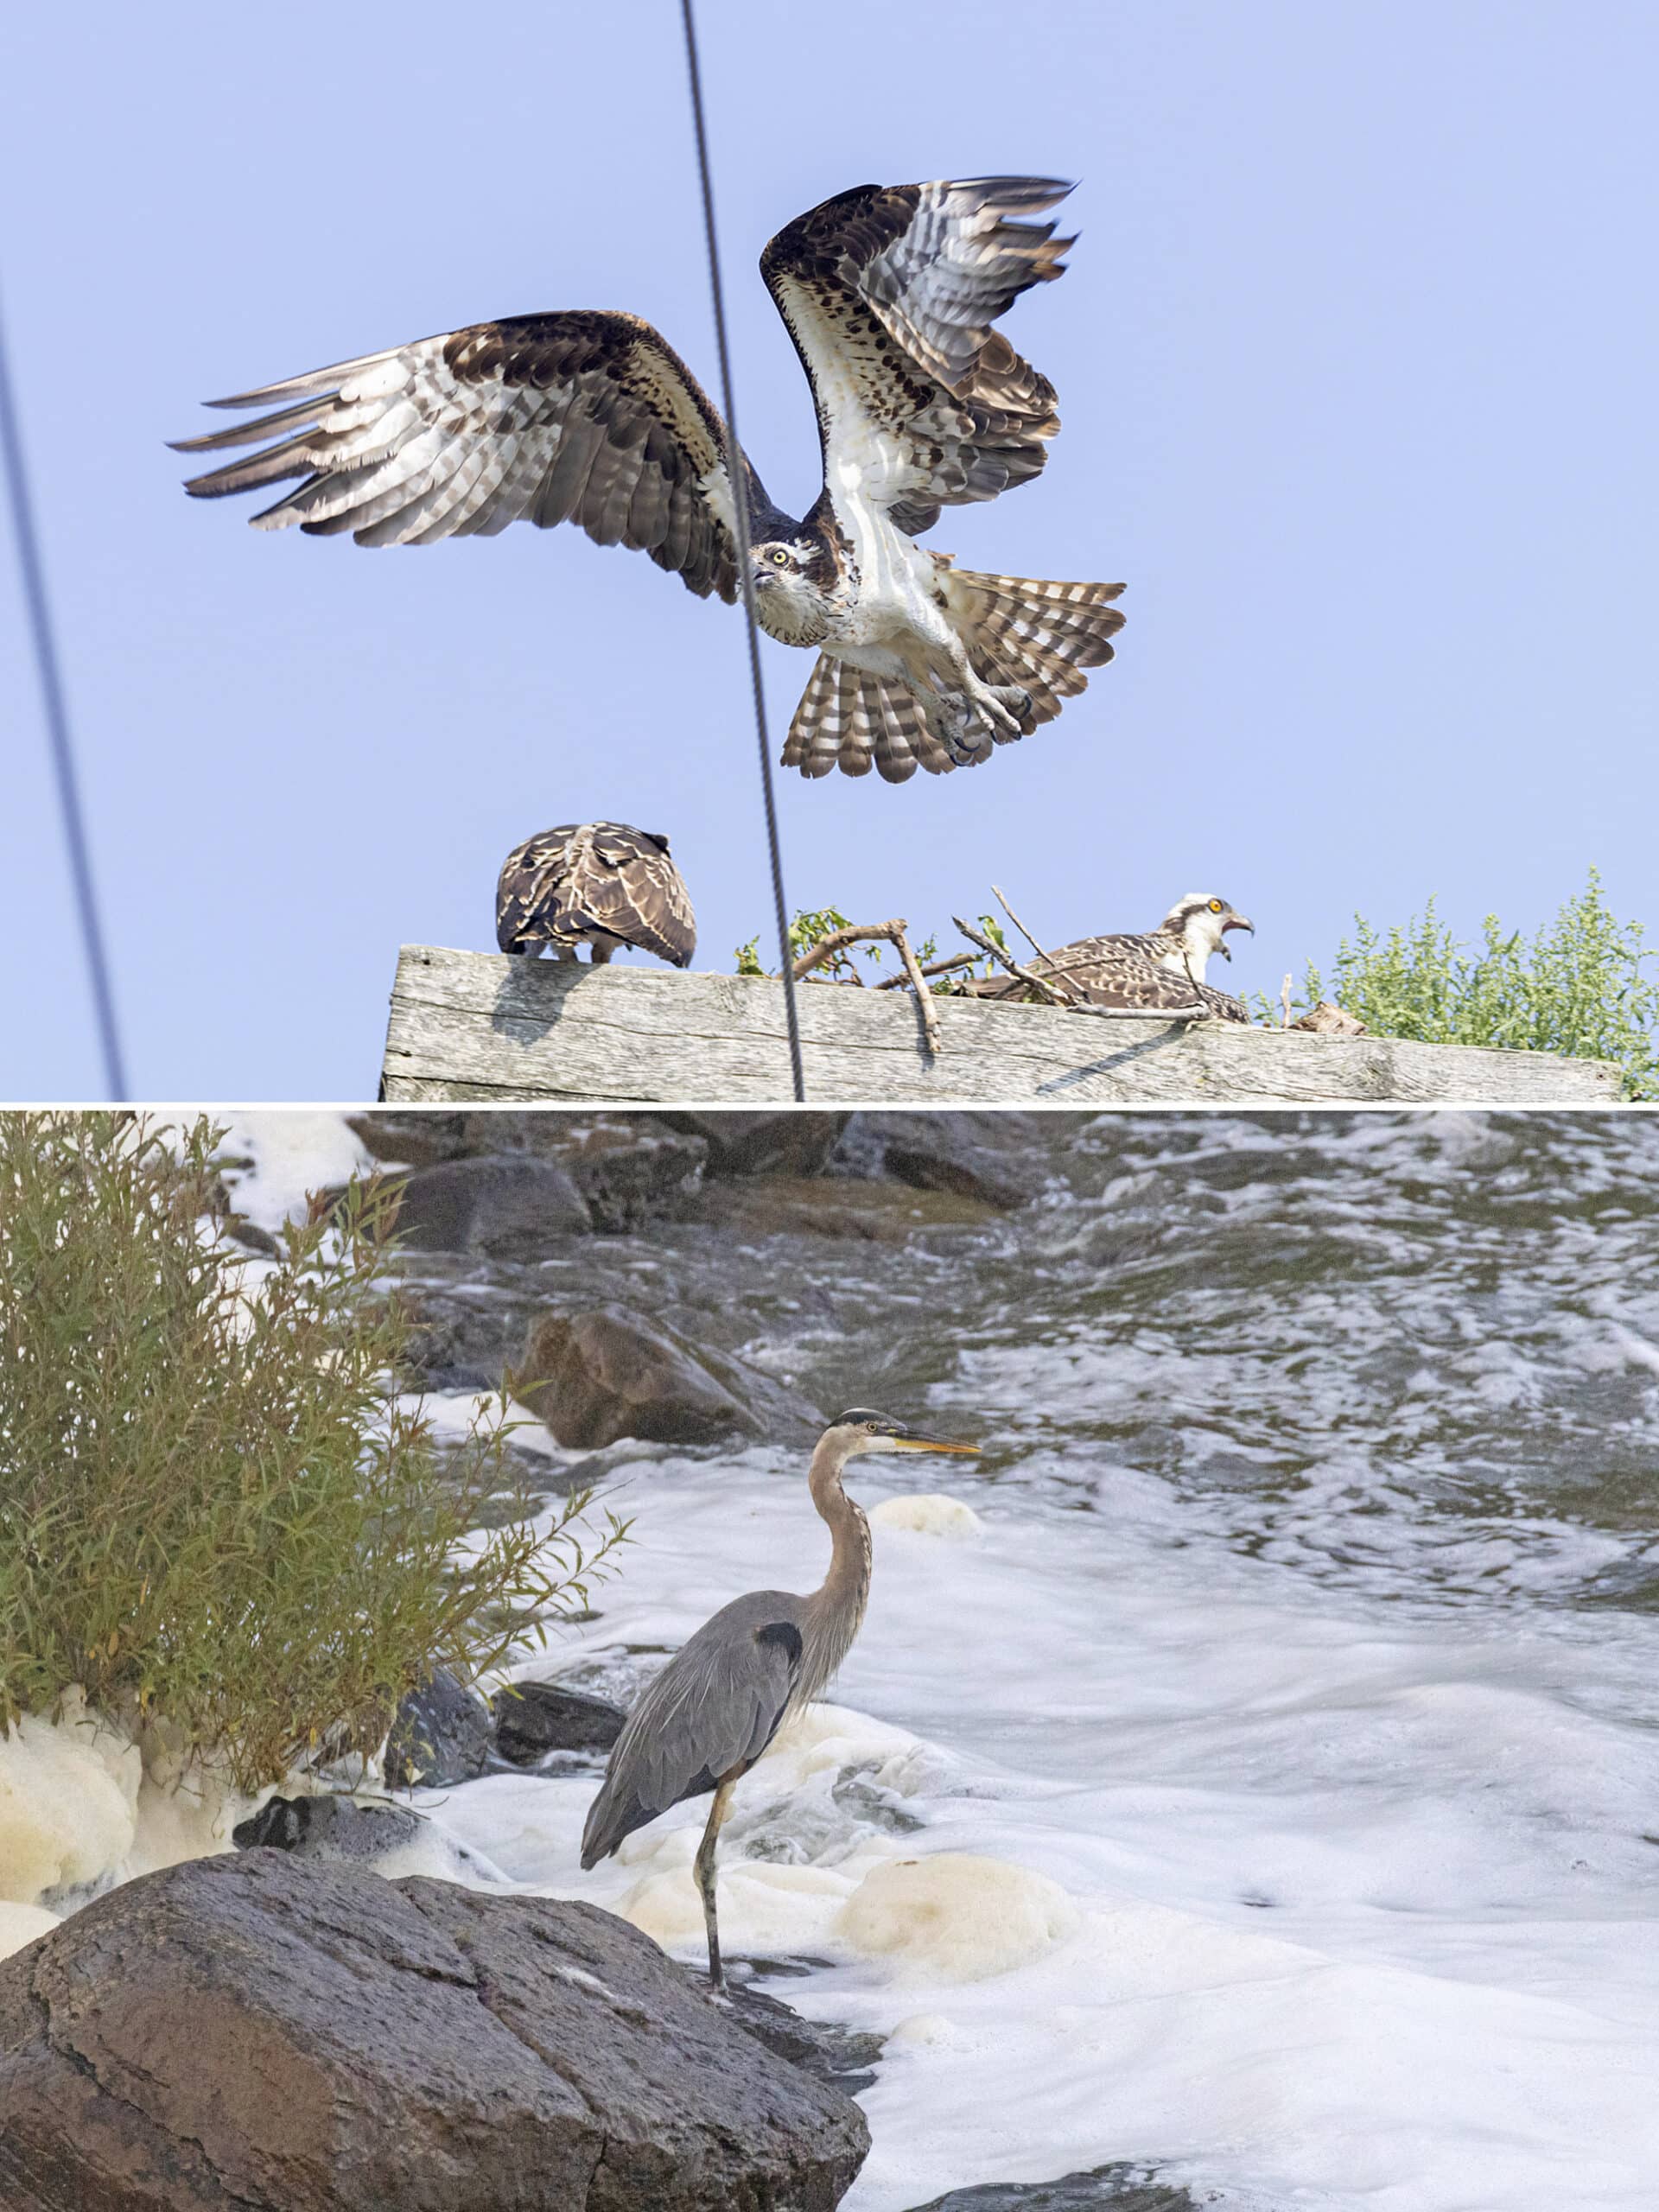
(854, 721)
(1036, 635)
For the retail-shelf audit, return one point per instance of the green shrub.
(213, 1508)
(1580, 986)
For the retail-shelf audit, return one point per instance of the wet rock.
(533, 1718)
(629, 1168)
(249, 1235)
(255, 2030)
(503, 1206)
(595, 1376)
(417, 1139)
(794, 1143)
(844, 2057)
(879, 1213)
(463, 1333)
(1001, 1159)
(629, 1178)
(441, 1735)
(333, 1828)
(1104, 2189)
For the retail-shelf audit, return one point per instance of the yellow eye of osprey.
(780, 558)
(1215, 906)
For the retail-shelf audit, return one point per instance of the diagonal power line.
(740, 532)
(57, 726)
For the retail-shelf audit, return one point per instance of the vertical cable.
(736, 474)
(57, 724)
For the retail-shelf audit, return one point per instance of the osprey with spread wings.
(891, 295)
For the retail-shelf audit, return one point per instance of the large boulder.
(797, 1141)
(504, 1206)
(596, 1377)
(255, 2031)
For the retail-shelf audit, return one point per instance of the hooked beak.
(1233, 922)
(927, 1444)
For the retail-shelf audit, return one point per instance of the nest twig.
(1002, 902)
(894, 933)
(1005, 959)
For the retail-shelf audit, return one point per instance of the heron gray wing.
(583, 417)
(710, 1712)
(890, 293)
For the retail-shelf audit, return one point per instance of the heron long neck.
(835, 1612)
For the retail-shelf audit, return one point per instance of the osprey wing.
(585, 417)
(890, 293)
(595, 879)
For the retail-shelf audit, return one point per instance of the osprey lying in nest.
(1162, 968)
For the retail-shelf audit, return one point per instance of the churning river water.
(1304, 1634)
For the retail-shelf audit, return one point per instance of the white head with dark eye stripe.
(1200, 922)
(864, 1430)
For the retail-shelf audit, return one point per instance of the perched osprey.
(595, 883)
(1164, 968)
(891, 293)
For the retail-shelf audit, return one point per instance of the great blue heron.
(720, 1700)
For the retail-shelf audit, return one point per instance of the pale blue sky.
(1356, 365)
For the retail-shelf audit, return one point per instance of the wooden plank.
(481, 1025)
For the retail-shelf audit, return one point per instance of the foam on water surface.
(1354, 1899)
(1304, 1650)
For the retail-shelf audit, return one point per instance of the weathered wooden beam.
(485, 1025)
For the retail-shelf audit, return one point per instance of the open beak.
(1233, 922)
(927, 1444)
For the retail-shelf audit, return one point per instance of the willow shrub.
(213, 1507)
(1580, 986)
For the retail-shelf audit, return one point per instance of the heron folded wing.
(711, 1713)
(583, 417)
(890, 293)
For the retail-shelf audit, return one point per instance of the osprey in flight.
(891, 295)
(599, 884)
(1163, 967)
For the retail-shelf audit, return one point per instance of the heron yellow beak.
(927, 1444)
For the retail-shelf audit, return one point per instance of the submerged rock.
(441, 1736)
(1001, 1159)
(254, 2031)
(1102, 2189)
(822, 1205)
(845, 2058)
(597, 1377)
(533, 1718)
(793, 1142)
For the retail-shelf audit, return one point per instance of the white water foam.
(1362, 1895)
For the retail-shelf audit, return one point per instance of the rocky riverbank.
(531, 1249)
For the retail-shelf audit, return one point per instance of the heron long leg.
(705, 1870)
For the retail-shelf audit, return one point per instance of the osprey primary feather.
(891, 293)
